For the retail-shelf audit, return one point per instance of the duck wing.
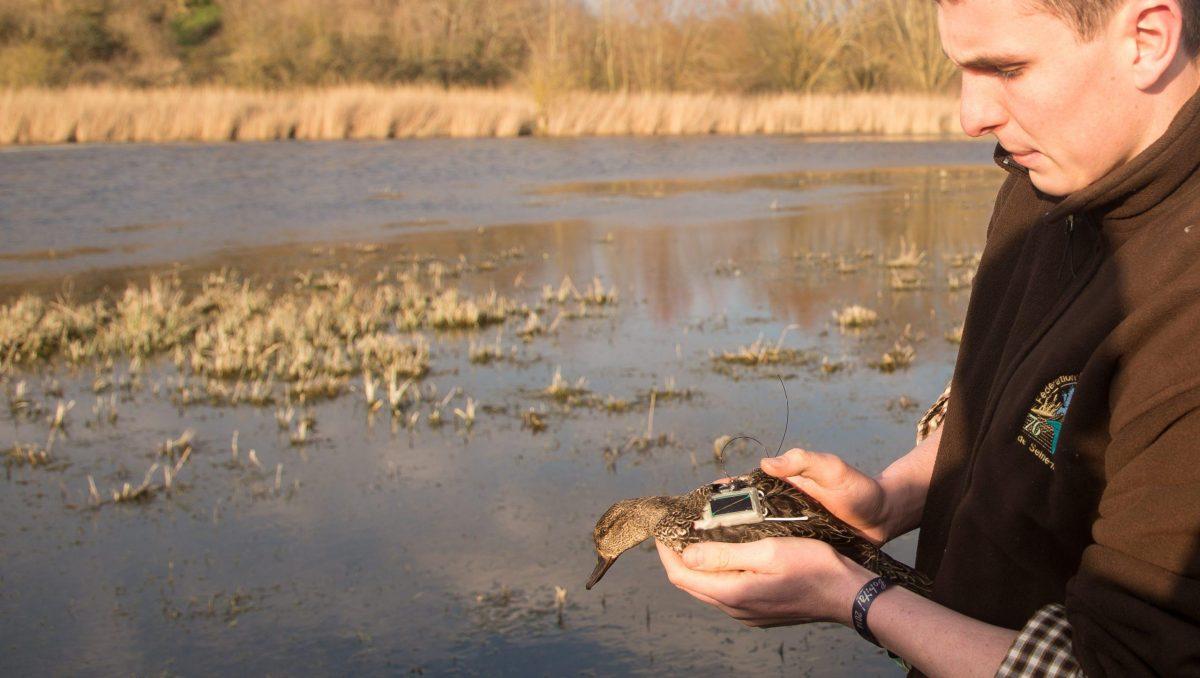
(781, 499)
(784, 500)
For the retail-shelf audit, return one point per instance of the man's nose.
(980, 110)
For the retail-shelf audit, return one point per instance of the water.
(438, 550)
(71, 209)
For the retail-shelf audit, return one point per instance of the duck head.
(626, 524)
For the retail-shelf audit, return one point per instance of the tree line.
(546, 46)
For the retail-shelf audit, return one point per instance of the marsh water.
(385, 549)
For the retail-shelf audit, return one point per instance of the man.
(1059, 503)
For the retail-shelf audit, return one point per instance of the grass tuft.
(855, 316)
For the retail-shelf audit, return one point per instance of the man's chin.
(1052, 184)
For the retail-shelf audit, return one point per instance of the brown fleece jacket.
(1069, 466)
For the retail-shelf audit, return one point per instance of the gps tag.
(735, 507)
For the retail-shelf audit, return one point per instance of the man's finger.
(824, 469)
(774, 623)
(755, 556)
(680, 575)
(754, 619)
(708, 586)
(703, 598)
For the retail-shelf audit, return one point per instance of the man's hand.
(848, 493)
(771, 582)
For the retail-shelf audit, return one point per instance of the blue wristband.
(862, 603)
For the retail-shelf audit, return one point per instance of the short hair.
(1087, 17)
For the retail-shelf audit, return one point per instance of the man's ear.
(1156, 30)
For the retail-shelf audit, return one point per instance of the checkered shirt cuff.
(1043, 648)
(933, 416)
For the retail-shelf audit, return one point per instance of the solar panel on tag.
(731, 504)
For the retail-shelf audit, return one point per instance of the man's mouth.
(1021, 153)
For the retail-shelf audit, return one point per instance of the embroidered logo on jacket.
(1043, 424)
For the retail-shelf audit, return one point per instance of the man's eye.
(1008, 73)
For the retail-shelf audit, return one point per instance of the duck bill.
(601, 567)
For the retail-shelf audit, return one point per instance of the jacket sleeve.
(1134, 604)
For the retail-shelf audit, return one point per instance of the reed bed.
(211, 114)
(214, 114)
(235, 340)
(650, 114)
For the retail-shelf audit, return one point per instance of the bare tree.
(908, 30)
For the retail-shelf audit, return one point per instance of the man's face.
(1064, 108)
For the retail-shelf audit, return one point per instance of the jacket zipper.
(1068, 256)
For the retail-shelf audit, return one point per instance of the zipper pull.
(1068, 254)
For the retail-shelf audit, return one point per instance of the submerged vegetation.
(235, 341)
(900, 356)
(224, 340)
(762, 352)
(29, 454)
(228, 330)
(855, 316)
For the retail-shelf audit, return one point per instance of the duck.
(749, 507)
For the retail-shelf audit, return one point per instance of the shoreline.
(84, 115)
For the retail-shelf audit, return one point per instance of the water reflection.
(176, 202)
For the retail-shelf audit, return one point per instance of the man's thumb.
(820, 467)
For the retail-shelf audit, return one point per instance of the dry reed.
(855, 316)
(212, 114)
(32, 455)
(901, 356)
(563, 389)
(762, 352)
(234, 343)
(587, 114)
(908, 257)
